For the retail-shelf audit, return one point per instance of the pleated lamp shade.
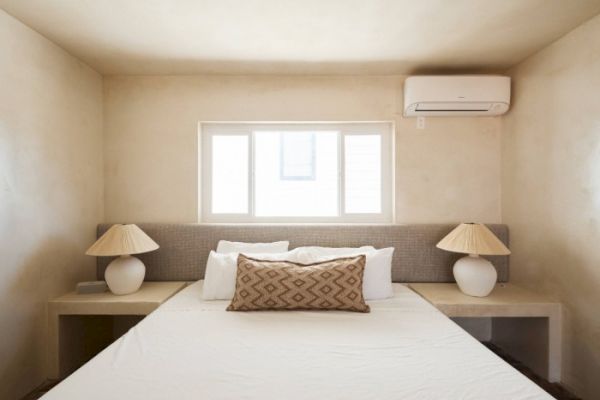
(121, 240)
(473, 238)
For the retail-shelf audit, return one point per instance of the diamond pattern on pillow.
(285, 285)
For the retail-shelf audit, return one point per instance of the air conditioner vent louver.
(461, 110)
(471, 95)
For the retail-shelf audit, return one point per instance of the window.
(296, 172)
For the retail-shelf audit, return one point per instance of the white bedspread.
(193, 349)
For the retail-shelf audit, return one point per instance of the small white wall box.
(92, 287)
(456, 95)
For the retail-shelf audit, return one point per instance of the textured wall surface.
(50, 191)
(184, 248)
(448, 172)
(551, 190)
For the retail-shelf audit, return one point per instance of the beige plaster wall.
(50, 191)
(551, 190)
(448, 172)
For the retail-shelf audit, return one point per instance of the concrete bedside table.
(81, 325)
(525, 324)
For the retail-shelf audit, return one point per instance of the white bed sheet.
(193, 349)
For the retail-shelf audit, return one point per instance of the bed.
(194, 349)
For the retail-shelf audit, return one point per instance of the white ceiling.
(301, 36)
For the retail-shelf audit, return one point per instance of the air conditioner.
(456, 95)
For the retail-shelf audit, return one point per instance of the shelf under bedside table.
(518, 316)
(79, 325)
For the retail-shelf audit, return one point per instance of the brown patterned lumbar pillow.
(285, 285)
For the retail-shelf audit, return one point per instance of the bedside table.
(523, 322)
(81, 325)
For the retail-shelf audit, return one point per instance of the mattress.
(193, 349)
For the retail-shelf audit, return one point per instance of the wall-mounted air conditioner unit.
(456, 95)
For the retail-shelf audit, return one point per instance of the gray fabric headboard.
(184, 248)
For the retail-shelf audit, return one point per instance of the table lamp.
(124, 274)
(474, 275)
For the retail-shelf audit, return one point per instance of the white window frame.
(208, 129)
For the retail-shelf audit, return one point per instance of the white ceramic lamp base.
(475, 276)
(125, 275)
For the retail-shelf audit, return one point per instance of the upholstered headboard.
(184, 248)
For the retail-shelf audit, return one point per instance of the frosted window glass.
(230, 174)
(298, 155)
(362, 155)
(277, 196)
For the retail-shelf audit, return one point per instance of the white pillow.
(225, 246)
(377, 280)
(221, 271)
